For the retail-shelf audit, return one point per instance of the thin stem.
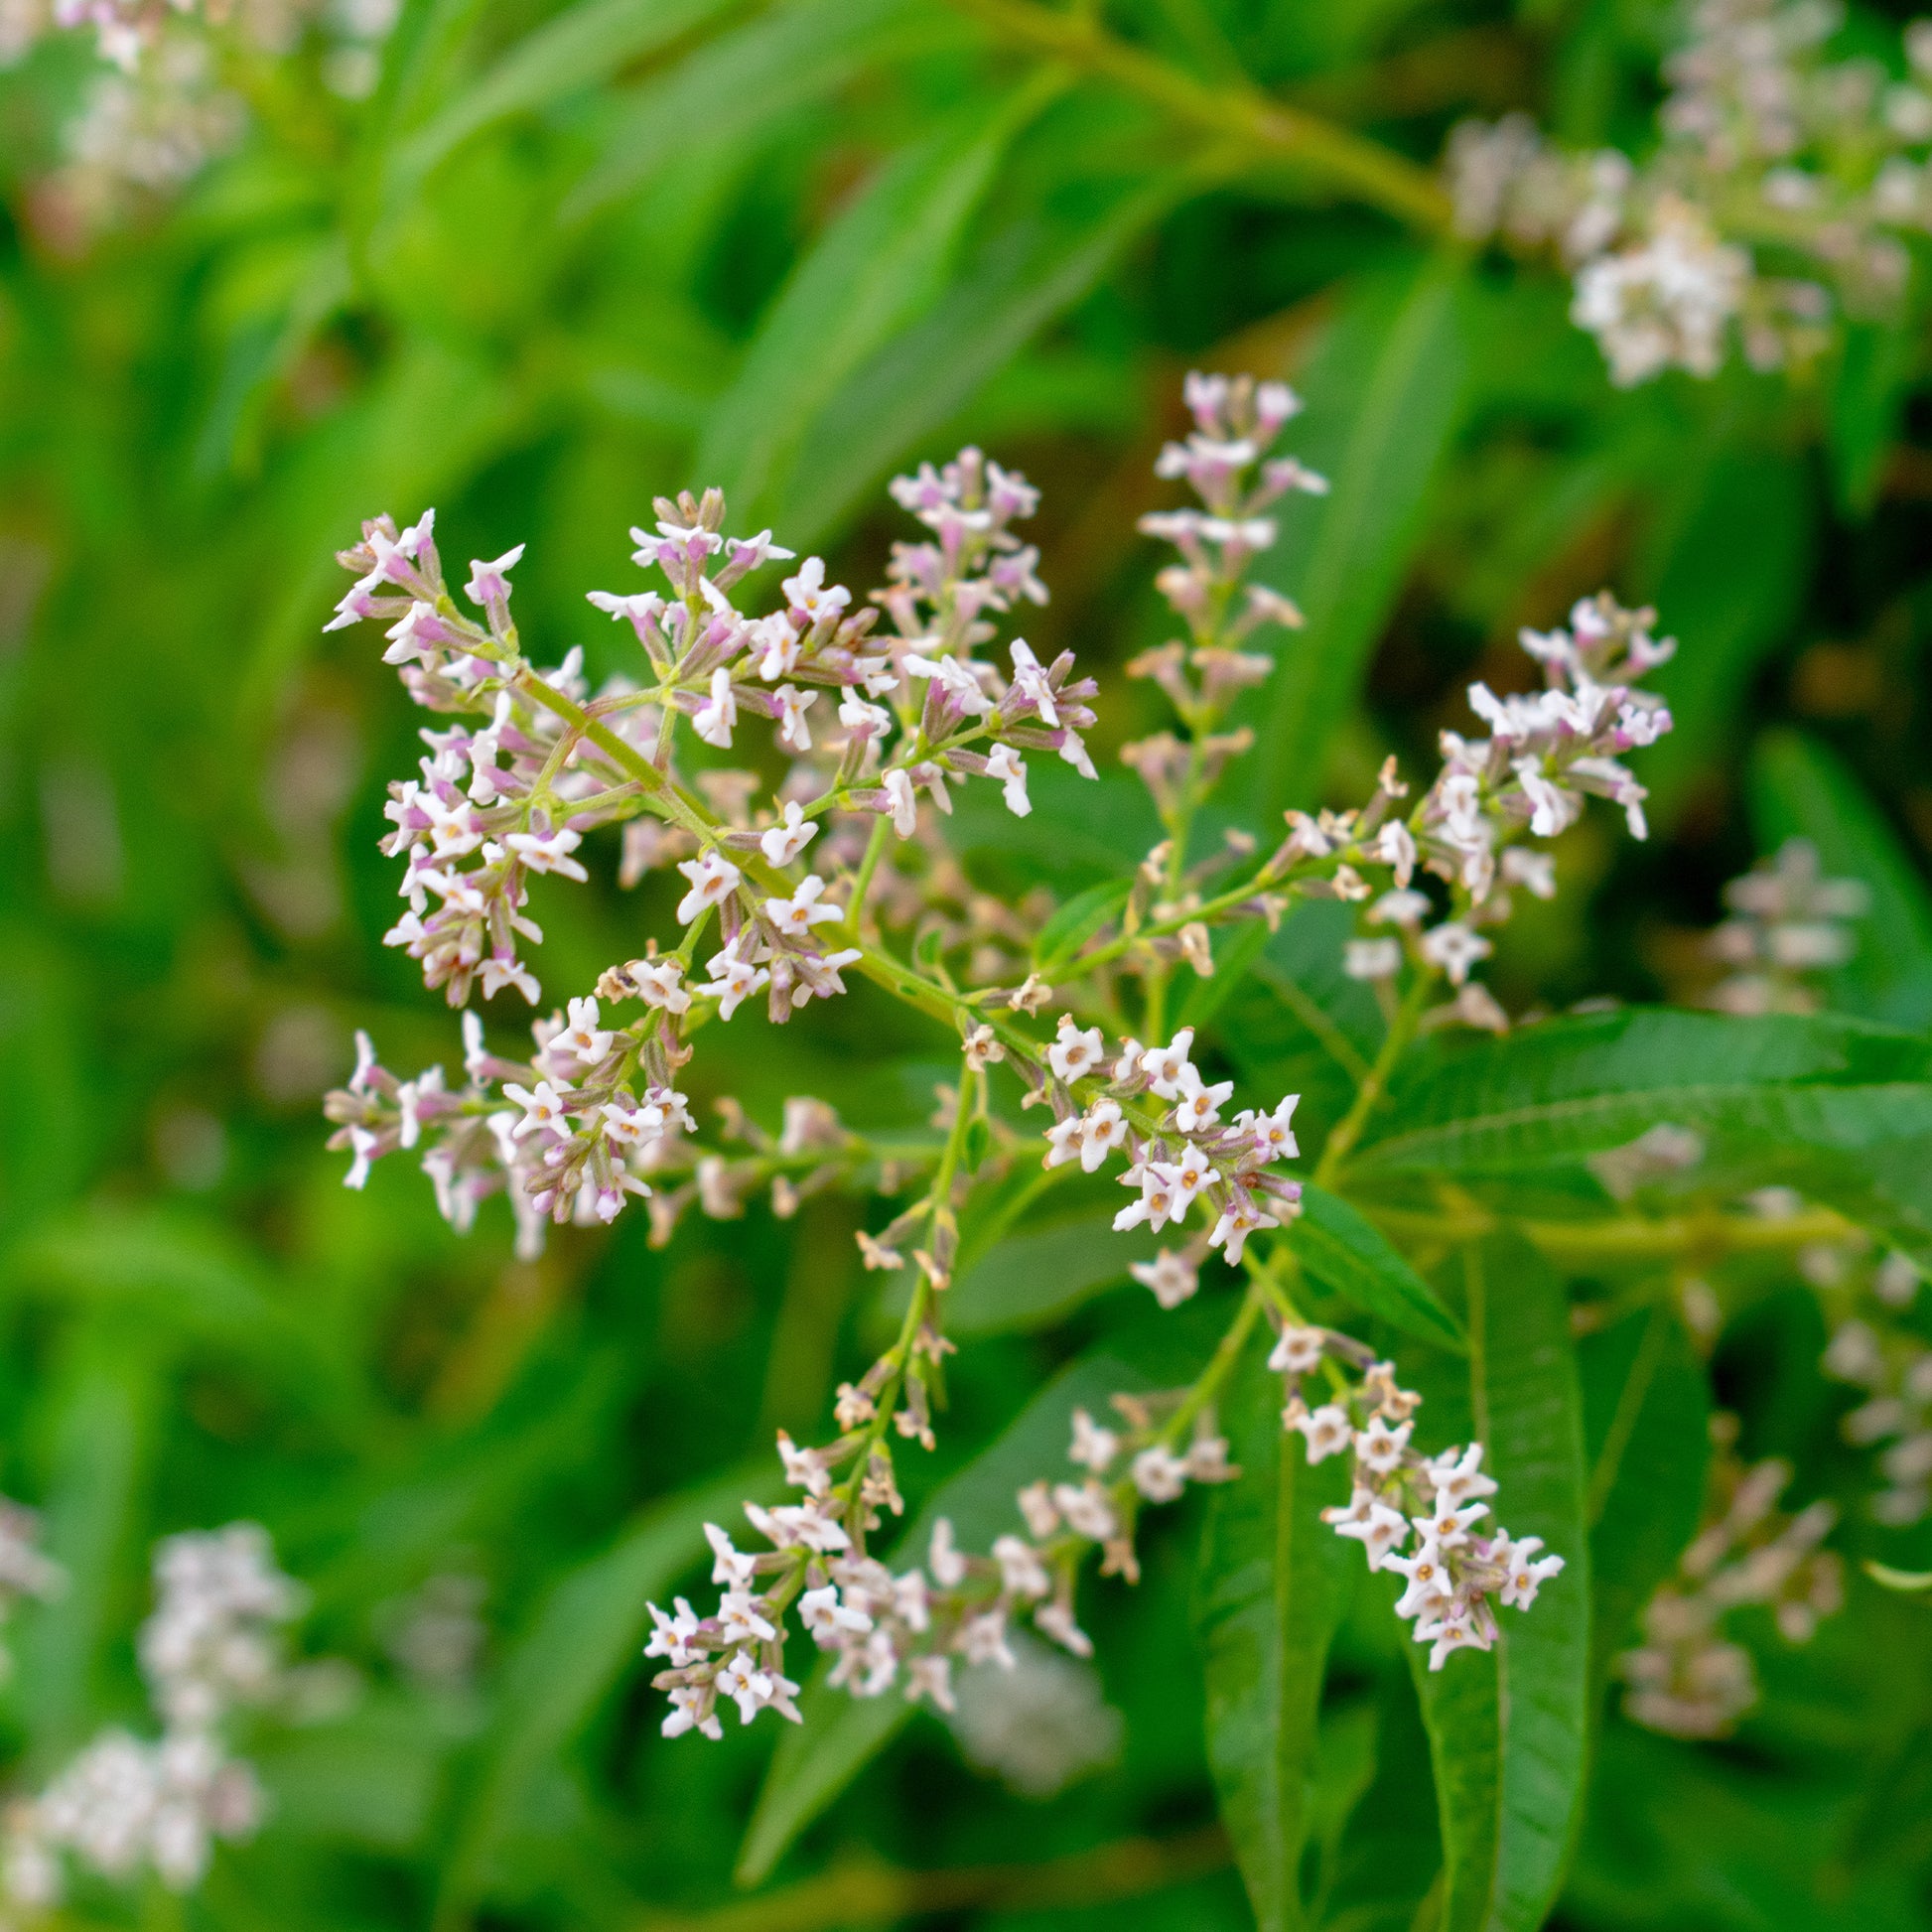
(862, 880)
(1701, 1234)
(1348, 1129)
(1235, 112)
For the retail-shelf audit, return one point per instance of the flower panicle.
(1420, 1517)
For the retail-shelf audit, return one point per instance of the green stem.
(1237, 113)
(1348, 1129)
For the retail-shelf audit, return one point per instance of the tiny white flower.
(671, 1639)
(1064, 1142)
(1454, 948)
(542, 1109)
(902, 802)
(715, 718)
(1197, 1106)
(1326, 1431)
(793, 728)
(784, 841)
(1087, 1510)
(1163, 1066)
(1372, 1523)
(810, 594)
(1022, 1573)
(949, 1567)
(795, 917)
(1074, 1054)
(1093, 1446)
(659, 984)
(1102, 1129)
(712, 879)
(1298, 1351)
(1037, 1506)
(1528, 1572)
(583, 1037)
(1006, 764)
(1371, 959)
(828, 1620)
(734, 979)
(1169, 1276)
(1378, 1447)
(1159, 1474)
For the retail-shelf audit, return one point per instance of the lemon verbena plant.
(1349, 1281)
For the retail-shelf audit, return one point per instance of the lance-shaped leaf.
(1507, 1729)
(1648, 1427)
(1385, 396)
(571, 51)
(1799, 788)
(1353, 1257)
(1271, 1585)
(1839, 1110)
(881, 262)
(1728, 566)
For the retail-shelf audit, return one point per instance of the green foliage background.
(567, 258)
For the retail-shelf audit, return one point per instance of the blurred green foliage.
(562, 260)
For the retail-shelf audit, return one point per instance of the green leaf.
(841, 1735)
(1874, 372)
(100, 1416)
(1647, 1433)
(1353, 1257)
(1272, 1584)
(1799, 788)
(1033, 1277)
(882, 261)
(571, 51)
(1030, 270)
(1385, 398)
(1726, 574)
(731, 89)
(1835, 1108)
(1507, 1729)
(1075, 923)
(587, 1636)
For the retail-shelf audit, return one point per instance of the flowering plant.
(791, 898)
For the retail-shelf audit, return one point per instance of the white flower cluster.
(1785, 184)
(1873, 1349)
(126, 1805)
(1177, 1154)
(163, 108)
(1227, 462)
(1788, 923)
(1686, 1679)
(589, 1122)
(1546, 752)
(1458, 1563)
(514, 797)
(912, 1627)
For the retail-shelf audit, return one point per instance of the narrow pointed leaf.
(882, 261)
(1352, 1256)
(1385, 396)
(1801, 789)
(1271, 1585)
(1509, 1728)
